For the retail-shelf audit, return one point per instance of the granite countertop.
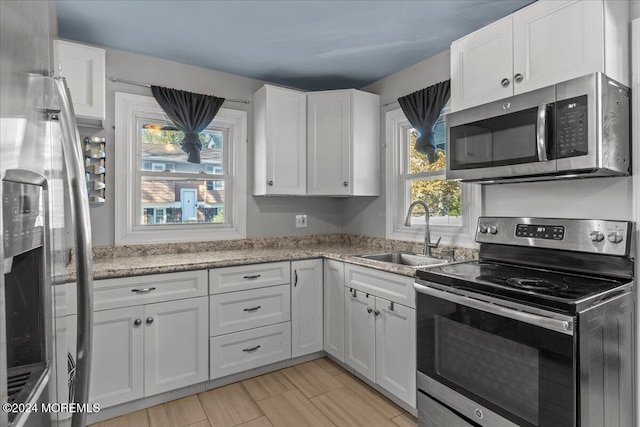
(122, 261)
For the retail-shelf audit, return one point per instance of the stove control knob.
(493, 229)
(596, 236)
(615, 237)
(483, 229)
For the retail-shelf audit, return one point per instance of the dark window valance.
(191, 113)
(422, 109)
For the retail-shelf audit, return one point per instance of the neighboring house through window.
(162, 197)
(452, 205)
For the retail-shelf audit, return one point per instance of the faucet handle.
(436, 244)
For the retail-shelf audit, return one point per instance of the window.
(162, 197)
(452, 205)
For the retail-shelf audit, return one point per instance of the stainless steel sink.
(406, 258)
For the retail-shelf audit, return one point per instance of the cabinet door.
(306, 307)
(555, 41)
(329, 143)
(176, 344)
(396, 349)
(286, 149)
(334, 308)
(479, 64)
(84, 68)
(117, 356)
(360, 346)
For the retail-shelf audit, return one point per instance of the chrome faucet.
(427, 233)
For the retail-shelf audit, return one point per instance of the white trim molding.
(459, 235)
(129, 109)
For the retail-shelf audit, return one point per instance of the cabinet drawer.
(392, 287)
(243, 277)
(245, 350)
(237, 311)
(129, 291)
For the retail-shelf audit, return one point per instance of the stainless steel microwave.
(578, 128)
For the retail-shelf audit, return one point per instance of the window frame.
(397, 131)
(130, 110)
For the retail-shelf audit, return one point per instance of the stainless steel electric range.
(538, 332)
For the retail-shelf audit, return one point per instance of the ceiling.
(312, 45)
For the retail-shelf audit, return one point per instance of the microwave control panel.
(572, 127)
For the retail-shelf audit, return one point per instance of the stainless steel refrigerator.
(45, 214)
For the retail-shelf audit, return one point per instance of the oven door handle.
(564, 324)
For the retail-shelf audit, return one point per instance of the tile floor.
(317, 393)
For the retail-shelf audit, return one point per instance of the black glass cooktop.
(547, 288)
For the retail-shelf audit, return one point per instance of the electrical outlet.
(301, 221)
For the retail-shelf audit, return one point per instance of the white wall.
(272, 216)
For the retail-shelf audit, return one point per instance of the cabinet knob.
(270, 182)
(346, 183)
(149, 320)
(369, 309)
(504, 83)
(137, 322)
(518, 78)
(376, 312)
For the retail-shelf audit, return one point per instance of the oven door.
(502, 139)
(494, 363)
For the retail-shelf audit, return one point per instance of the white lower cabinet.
(251, 316)
(380, 342)
(396, 349)
(334, 308)
(175, 344)
(360, 333)
(241, 351)
(145, 350)
(117, 363)
(306, 307)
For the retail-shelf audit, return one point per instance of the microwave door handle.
(542, 133)
(84, 264)
(557, 325)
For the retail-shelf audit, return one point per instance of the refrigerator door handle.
(72, 153)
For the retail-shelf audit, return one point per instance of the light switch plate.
(301, 221)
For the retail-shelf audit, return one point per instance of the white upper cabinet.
(548, 42)
(84, 69)
(482, 66)
(280, 131)
(343, 143)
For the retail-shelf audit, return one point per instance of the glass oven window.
(523, 372)
(505, 140)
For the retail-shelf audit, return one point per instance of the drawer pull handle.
(255, 276)
(391, 305)
(143, 290)
(251, 349)
(252, 308)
